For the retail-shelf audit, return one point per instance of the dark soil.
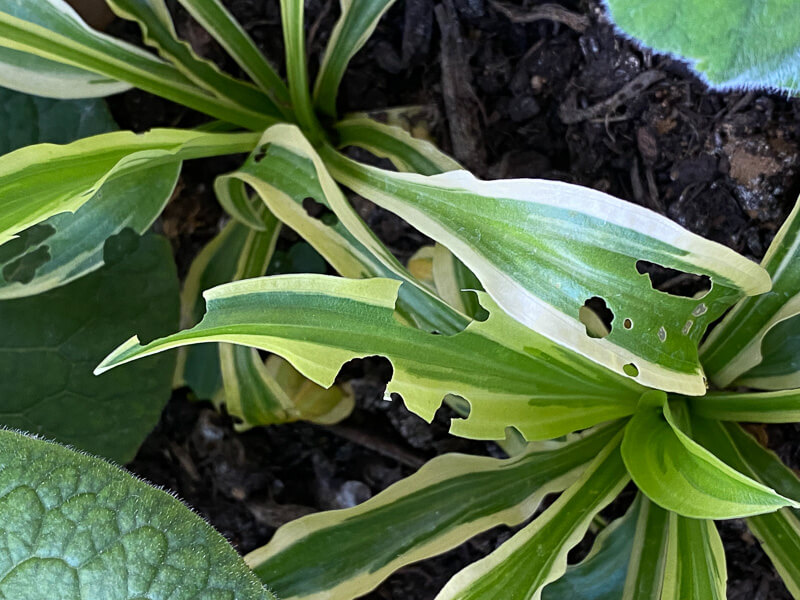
(518, 90)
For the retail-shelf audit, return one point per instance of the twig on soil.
(545, 12)
(460, 101)
(377, 444)
(571, 114)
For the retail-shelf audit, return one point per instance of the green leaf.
(757, 407)
(778, 532)
(742, 44)
(649, 553)
(417, 518)
(779, 368)
(355, 25)
(542, 249)
(695, 568)
(66, 247)
(511, 376)
(40, 181)
(50, 343)
(77, 528)
(159, 32)
(53, 32)
(217, 21)
(34, 75)
(601, 575)
(286, 172)
(537, 555)
(294, 41)
(407, 153)
(736, 344)
(680, 475)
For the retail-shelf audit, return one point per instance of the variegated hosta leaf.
(780, 365)
(452, 498)
(237, 252)
(455, 283)
(35, 75)
(75, 527)
(356, 23)
(63, 40)
(778, 532)
(158, 31)
(407, 153)
(40, 181)
(274, 392)
(649, 552)
(537, 555)
(758, 407)
(695, 568)
(680, 475)
(217, 21)
(601, 575)
(543, 248)
(511, 376)
(736, 345)
(286, 172)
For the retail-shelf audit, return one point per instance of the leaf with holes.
(511, 376)
(68, 246)
(541, 249)
(743, 44)
(78, 528)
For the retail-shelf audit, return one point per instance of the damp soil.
(512, 89)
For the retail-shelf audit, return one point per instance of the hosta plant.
(504, 326)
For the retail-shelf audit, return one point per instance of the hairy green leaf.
(537, 555)
(680, 475)
(731, 43)
(66, 247)
(40, 181)
(736, 345)
(511, 376)
(287, 173)
(77, 528)
(50, 343)
(417, 518)
(542, 249)
(35, 75)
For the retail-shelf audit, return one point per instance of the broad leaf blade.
(44, 180)
(537, 555)
(735, 345)
(417, 518)
(731, 43)
(510, 376)
(50, 343)
(542, 249)
(217, 21)
(680, 475)
(286, 172)
(778, 532)
(780, 365)
(79, 528)
(35, 75)
(648, 557)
